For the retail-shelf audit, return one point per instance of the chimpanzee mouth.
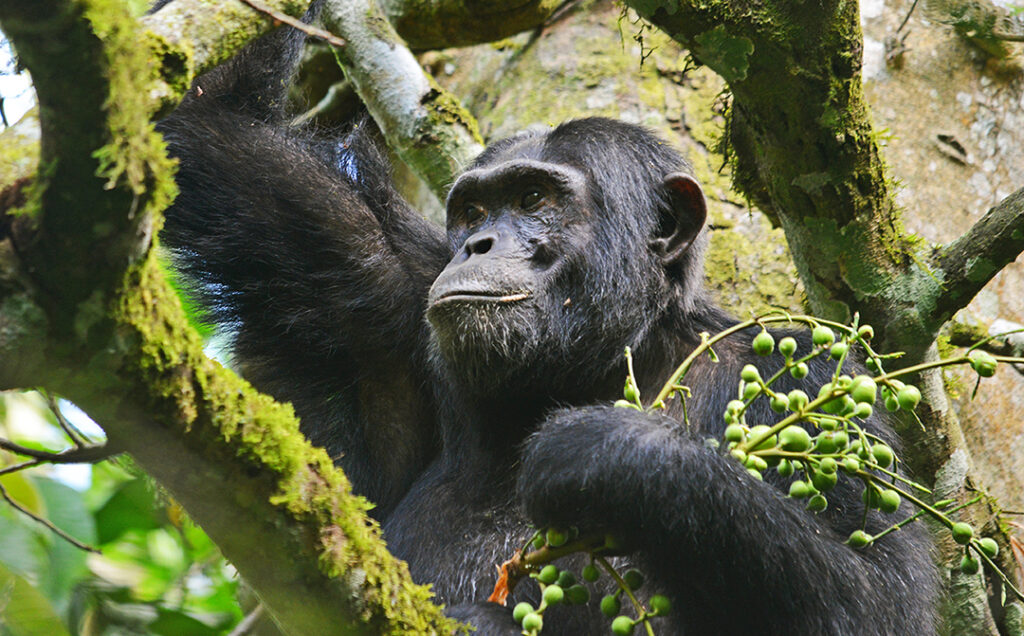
(470, 296)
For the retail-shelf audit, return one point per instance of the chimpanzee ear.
(684, 219)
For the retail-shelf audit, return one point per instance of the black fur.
(470, 428)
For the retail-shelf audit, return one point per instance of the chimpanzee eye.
(530, 199)
(474, 215)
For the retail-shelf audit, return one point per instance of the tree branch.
(445, 23)
(966, 265)
(423, 123)
(76, 455)
(46, 522)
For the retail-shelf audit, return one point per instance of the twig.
(308, 29)
(79, 455)
(247, 623)
(76, 436)
(60, 533)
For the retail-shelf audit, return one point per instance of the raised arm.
(302, 249)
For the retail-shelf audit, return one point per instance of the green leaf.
(131, 507)
(67, 562)
(24, 611)
(175, 623)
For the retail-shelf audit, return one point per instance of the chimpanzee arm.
(735, 555)
(301, 247)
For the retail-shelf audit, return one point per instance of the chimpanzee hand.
(588, 467)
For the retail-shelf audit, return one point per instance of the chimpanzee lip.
(481, 296)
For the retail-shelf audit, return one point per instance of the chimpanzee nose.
(480, 243)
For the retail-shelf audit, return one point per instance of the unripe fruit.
(556, 537)
(817, 503)
(591, 573)
(799, 371)
(851, 465)
(577, 595)
(785, 468)
(989, 547)
(634, 579)
(533, 622)
(889, 501)
(548, 574)
(891, 403)
(630, 391)
(757, 432)
(797, 399)
(787, 346)
(838, 350)
(863, 389)
(751, 391)
(825, 443)
(822, 336)
(520, 611)
(908, 397)
(824, 481)
(863, 411)
(969, 565)
(734, 433)
(565, 579)
(794, 439)
(883, 455)
(828, 465)
(610, 605)
(859, 539)
(553, 595)
(866, 332)
(734, 407)
(750, 373)
(763, 343)
(962, 533)
(779, 403)
(660, 605)
(983, 363)
(622, 626)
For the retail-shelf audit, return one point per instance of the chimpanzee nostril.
(479, 245)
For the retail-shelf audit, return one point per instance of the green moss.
(757, 274)
(727, 54)
(175, 66)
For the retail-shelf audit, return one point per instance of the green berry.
(822, 335)
(969, 565)
(660, 605)
(989, 547)
(591, 573)
(799, 490)
(859, 539)
(863, 389)
(851, 465)
(734, 406)
(750, 374)
(785, 468)
(755, 474)
(889, 501)
(824, 481)
(866, 332)
(871, 365)
(565, 579)
(548, 574)
(556, 537)
(734, 433)
(908, 397)
(983, 363)
(756, 463)
(610, 605)
(841, 440)
(779, 403)
(577, 595)
(962, 533)
(538, 542)
(817, 503)
(838, 350)
(760, 430)
(751, 391)
(799, 371)
(634, 579)
(797, 399)
(532, 622)
(825, 443)
(520, 611)
(738, 455)
(553, 594)
(622, 626)
(891, 403)
(828, 465)
(871, 497)
(794, 439)
(883, 455)
(763, 343)
(787, 346)
(863, 411)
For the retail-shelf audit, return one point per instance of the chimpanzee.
(462, 380)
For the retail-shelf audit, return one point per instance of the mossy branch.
(967, 264)
(446, 23)
(423, 123)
